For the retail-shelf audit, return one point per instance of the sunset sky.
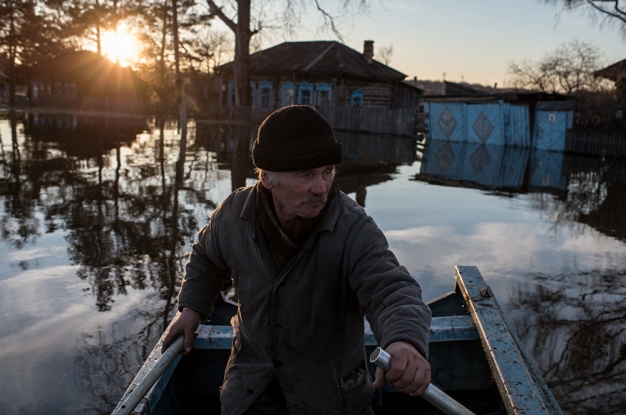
(472, 41)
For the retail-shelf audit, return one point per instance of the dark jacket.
(304, 325)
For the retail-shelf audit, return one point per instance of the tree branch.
(620, 15)
(330, 20)
(217, 11)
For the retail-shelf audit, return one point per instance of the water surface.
(97, 221)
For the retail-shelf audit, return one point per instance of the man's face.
(301, 193)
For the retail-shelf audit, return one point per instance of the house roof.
(327, 58)
(613, 71)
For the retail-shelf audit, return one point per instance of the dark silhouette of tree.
(26, 35)
(567, 70)
(606, 12)
(385, 54)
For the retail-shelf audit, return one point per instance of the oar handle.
(135, 394)
(433, 395)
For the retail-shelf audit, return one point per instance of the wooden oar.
(433, 395)
(132, 397)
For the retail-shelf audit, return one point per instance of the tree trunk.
(12, 52)
(180, 86)
(241, 69)
(98, 41)
(243, 34)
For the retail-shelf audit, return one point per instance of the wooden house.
(321, 74)
(613, 72)
(85, 80)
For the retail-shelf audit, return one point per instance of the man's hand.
(409, 372)
(187, 323)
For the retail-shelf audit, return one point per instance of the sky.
(471, 41)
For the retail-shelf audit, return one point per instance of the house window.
(265, 93)
(323, 94)
(305, 93)
(356, 98)
(288, 94)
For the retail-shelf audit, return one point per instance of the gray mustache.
(315, 199)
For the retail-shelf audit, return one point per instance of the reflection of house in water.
(371, 159)
(367, 159)
(83, 136)
(590, 189)
(492, 167)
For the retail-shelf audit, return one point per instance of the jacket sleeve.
(390, 296)
(206, 273)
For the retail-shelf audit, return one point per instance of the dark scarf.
(284, 243)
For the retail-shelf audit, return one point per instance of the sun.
(119, 46)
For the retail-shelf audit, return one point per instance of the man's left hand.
(409, 372)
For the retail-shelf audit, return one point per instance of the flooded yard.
(96, 223)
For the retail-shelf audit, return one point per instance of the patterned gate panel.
(550, 129)
(485, 124)
(447, 121)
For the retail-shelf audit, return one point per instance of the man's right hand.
(187, 323)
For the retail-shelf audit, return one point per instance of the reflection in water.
(573, 326)
(589, 190)
(128, 204)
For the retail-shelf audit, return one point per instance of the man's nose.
(319, 187)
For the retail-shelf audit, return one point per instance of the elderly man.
(307, 265)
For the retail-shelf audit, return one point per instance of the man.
(307, 264)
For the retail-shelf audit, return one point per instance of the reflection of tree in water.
(109, 362)
(594, 197)
(110, 358)
(19, 225)
(573, 326)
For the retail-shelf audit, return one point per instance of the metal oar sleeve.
(433, 395)
(133, 397)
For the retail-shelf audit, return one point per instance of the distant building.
(613, 72)
(85, 80)
(321, 74)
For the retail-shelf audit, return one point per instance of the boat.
(475, 358)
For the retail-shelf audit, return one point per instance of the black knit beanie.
(294, 138)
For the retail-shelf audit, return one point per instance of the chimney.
(368, 50)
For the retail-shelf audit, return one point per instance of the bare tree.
(567, 70)
(601, 11)
(246, 21)
(385, 53)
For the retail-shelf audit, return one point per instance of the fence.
(399, 122)
(596, 143)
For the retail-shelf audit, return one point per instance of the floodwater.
(96, 222)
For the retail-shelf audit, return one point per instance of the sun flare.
(119, 46)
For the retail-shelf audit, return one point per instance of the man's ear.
(266, 183)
